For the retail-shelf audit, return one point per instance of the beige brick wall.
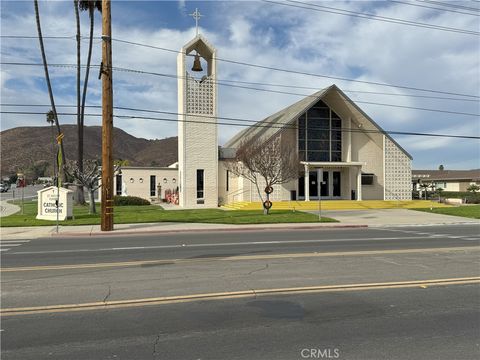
(368, 148)
(197, 139)
(201, 152)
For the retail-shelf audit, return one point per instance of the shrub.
(129, 200)
(455, 194)
(472, 198)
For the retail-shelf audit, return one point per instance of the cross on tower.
(196, 15)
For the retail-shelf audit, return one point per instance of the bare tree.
(266, 162)
(89, 177)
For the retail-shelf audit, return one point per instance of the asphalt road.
(74, 250)
(432, 323)
(16, 193)
(383, 322)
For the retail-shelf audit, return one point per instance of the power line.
(320, 8)
(260, 124)
(72, 37)
(221, 81)
(434, 8)
(293, 71)
(259, 89)
(345, 90)
(450, 5)
(388, 19)
(305, 73)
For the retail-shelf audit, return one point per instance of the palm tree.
(47, 78)
(90, 6)
(80, 198)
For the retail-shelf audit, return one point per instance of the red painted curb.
(133, 232)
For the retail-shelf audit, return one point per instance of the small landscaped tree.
(473, 188)
(424, 187)
(88, 176)
(266, 162)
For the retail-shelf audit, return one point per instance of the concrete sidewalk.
(394, 217)
(347, 218)
(7, 209)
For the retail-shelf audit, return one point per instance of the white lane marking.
(184, 246)
(11, 243)
(435, 235)
(14, 241)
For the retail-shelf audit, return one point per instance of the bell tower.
(197, 123)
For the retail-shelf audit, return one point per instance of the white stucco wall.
(197, 129)
(136, 181)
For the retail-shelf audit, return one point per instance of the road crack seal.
(157, 340)
(261, 269)
(109, 293)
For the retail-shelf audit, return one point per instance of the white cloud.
(277, 36)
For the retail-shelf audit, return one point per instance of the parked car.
(4, 188)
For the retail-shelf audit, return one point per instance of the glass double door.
(330, 185)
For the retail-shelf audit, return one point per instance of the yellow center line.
(233, 295)
(235, 258)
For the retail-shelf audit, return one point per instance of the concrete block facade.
(398, 172)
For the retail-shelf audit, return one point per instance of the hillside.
(24, 146)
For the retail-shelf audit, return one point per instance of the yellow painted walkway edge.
(234, 295)
(236, 258)
(338, 205)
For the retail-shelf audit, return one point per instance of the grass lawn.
(152, 214)
(470, 211)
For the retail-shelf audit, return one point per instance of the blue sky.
(267, 34)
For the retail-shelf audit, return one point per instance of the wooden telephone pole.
(107, 119)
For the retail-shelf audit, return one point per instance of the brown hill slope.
(24, 146)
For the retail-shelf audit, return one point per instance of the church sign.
(53, 199)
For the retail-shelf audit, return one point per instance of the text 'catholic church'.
(335, 140)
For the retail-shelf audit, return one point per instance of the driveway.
(391, 217)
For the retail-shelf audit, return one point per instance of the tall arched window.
(320, 134)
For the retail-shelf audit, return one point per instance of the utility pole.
(107, 119)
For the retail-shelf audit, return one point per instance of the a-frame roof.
(272, 124)
(201, 44)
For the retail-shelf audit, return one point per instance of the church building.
(343, 154)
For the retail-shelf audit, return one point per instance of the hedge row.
(469, 197)
(129, 200)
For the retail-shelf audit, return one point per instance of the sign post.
(59, 159)
(21, 183)
(319, 182)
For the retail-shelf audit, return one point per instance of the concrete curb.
(429, 224)
(127, 232)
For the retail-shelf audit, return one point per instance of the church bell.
(197, 66)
